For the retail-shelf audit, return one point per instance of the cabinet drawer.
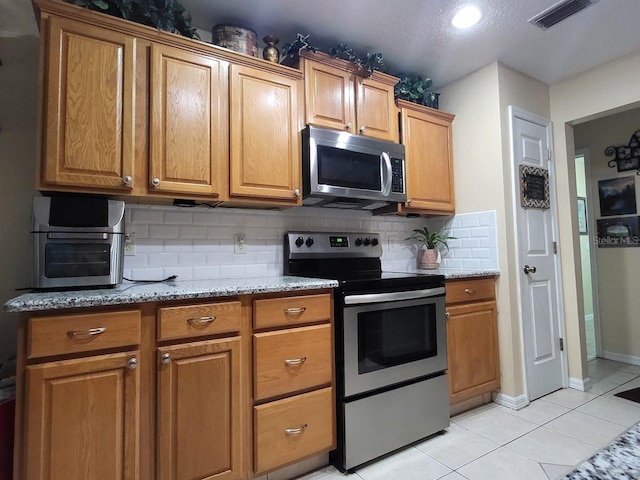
(276, 312)
(65, 334)
(470, 290)
(293, 428)
(291, 360)
(198, 320)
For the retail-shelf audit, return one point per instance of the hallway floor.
(540, 442)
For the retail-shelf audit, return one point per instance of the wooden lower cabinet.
(472, 344)
(293, 428)
(199, 411)
(83, 419)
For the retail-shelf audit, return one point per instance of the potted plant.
(429, 244)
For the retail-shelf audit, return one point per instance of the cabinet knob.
(132, 364)
(155, 182)
(296, 192)
(447, 315)
(165, 358)
(348, 126)
(409, 200)
(362, 129)
(127, 179)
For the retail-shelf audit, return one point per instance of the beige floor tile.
(410, 464)
(548, 446)
(613, 365)
(568, 397)
(476, 411)
(555, 471)
(503, 464)
(623, 388)
(301, 468)
(327, 473)
(613, 410)
(457, 447)
(497, 425)
(599, 371)
(587, 428)
(620, 377)
(598, 387)
(453, 476)
(540, 411)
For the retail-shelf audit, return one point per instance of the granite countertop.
(128, 292)
(456, 273)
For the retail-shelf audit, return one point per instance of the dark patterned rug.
(618, 461)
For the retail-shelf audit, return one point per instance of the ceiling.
(416, 37)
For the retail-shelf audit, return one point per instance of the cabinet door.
(265, 143)
(83, 419)
(88, 106)
(199, 411)
(329, 97)
(426, 135)
(188, 144)
(377, 111)
(472, 349)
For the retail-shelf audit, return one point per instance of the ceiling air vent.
(559, 12)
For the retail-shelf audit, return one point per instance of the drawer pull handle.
(296, 431)
(470, 291)
(295, 361)
(92, 332)
(200, 321)
(295, 311)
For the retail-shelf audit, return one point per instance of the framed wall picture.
(617, 196)
(618, 232)
(582, 215)
(534, 187)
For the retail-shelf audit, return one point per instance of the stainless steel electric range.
(391, 346)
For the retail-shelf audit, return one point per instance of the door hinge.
(555, 248)
(562, 344)
(549, 154)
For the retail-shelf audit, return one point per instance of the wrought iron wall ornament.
(626, 157)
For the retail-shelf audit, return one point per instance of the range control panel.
(332, 244)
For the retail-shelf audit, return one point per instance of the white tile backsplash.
(199, 244)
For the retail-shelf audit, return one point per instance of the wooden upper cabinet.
(426, 135)
(329, 96)
(199, 411)
(265, 136)
(337, 97)
(89, 85)
(83, 419)
(188, 134)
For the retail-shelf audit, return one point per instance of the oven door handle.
(392, 296)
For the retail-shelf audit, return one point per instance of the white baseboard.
(580, 384)
(619, 357)
(588, 318)
(514, 403)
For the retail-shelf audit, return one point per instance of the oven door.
(391, 338)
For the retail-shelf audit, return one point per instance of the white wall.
(585, 239)
(618, 268)
(603, 90)
(18, 103)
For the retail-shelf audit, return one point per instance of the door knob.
(528, 269)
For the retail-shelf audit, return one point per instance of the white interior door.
(538, 266)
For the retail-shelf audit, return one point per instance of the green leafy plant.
(167, 15)
(416, 90)
(291, 50)
(368, 63)
(430, 240)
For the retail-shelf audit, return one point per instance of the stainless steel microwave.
(342, 170)
(77, 242)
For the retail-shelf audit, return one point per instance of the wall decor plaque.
(534, 187)
(626, 157)
(618, 232)
(617, 196)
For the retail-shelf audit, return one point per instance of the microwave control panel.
(397, 175)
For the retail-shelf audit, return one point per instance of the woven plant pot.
(428, 259)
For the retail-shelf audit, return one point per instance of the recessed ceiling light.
(466, 17)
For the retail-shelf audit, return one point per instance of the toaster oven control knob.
(299, 242)
(127, 179)
(358, 242)
(367, 242)
(309, 242)
(374, 242)
(155, 182)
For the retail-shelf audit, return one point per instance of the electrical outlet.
(392, 243)
(130, 244)
(238, 243)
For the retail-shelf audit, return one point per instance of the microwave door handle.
(386, 174)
